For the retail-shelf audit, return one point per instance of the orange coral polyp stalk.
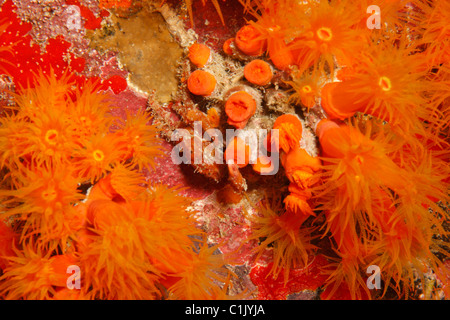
(199, 54)
(240, 106)
(201, 83)
(258, 72)
(323, 125)
(248, 40)
(280, 55)
(341, 100)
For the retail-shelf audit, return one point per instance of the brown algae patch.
(145, 48)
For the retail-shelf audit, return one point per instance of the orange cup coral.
(201, 83)
(199, 54)
(258, 72)
(247, 40)
(239, 107)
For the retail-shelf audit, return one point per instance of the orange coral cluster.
(74, 196)
(377, 100)
(384, 159)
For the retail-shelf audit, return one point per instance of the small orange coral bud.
(239, 107)
(102, 190)
(290, 131)
(199, 54)
(248, 41)
(227, 46)
(201, 83)
(238, 152)
(258, 72)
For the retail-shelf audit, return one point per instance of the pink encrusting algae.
(359, 115)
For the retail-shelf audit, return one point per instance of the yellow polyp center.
(324, 34)
(49, 194)
(385, 83)
(98, 155)
(51, 136)
(307, 89)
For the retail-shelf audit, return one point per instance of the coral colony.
(306, 155)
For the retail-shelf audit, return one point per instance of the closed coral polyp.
(199, 54)
(248, 41)
(201, 83)
(258, 72)
(239, 107)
